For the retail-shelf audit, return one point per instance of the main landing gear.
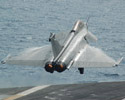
(81, 70)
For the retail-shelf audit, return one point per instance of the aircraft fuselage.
(72, 46)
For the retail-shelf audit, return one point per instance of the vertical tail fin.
(56, 47)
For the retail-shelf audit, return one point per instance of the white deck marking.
(27, 92)
(123, 99)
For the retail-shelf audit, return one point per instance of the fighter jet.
(67, 50)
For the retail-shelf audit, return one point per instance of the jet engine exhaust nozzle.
(49, 67)
(60, 67)
(52, 66)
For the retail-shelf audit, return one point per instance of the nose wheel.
(81, 70)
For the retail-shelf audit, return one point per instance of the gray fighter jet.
(67, 50)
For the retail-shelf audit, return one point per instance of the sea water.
(28, 23)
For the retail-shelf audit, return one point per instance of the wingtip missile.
(5, 59)
(119, 61)
(3, 62)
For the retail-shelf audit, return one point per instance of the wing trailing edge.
(31, 57)
(94, 57)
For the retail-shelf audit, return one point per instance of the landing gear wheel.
(81, 70)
